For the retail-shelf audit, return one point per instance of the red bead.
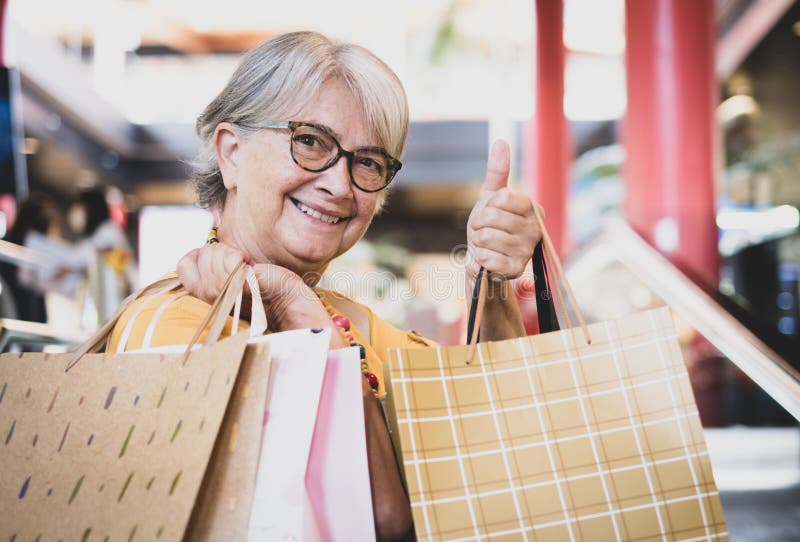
(373, 380)
(342, 322)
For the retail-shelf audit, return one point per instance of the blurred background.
(661, 136)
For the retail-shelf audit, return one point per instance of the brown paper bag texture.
(114, 449)
(222, 511)
(549, 438)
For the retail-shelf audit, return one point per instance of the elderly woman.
(297, 155)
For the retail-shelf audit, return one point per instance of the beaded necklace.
(342, 323)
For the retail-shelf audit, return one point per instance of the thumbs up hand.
(502, 230)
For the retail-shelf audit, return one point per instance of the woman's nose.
(336, 179)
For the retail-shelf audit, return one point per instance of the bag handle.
(98, 339)
(229, 296)
(216, 315)
(544, 255)
(561, 280)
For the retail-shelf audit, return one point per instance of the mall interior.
(661, 137)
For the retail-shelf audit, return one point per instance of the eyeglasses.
(313, 148)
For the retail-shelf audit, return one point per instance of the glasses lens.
(313, 148)
(370, 169)
(316, 150)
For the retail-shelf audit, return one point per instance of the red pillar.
(670, 132)
(549, 149)
(2, 31)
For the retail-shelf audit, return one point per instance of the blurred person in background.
(297, 154)
(38, 228)
(105, 248)
(90, 218)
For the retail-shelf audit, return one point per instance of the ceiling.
(198, 27)
(109, 128)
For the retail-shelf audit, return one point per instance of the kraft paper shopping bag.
(222, 510)
(117, 445)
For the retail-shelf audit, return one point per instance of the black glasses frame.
(393, 165)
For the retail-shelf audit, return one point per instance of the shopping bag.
(224, 502)
(223, 506)
(586, 433)
(313, 478)
(118, 445)
(314, 447)
(337, 478)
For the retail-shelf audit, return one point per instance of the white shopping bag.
(313, 478)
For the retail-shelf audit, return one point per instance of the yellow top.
(180, 319)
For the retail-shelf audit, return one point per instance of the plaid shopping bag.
(555, 437)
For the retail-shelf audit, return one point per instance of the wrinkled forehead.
(339, 111)
(373, 97)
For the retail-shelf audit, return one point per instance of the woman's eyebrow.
(338, 137)
(330, 130)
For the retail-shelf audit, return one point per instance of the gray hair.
(277, 79)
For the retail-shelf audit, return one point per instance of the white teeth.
(316, 214)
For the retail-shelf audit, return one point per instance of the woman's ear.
(226, 147)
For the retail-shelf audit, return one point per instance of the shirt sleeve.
(384, 335)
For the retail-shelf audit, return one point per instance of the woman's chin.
(309, 261)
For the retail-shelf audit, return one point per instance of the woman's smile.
(320, 214)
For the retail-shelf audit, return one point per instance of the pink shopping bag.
(337, 479)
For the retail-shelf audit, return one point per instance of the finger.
(499, 265)
(212, 275)
(472, 269)
(492, 217)
(188, 261)
(188, 272)
(220, 259)
(203, 274)
(512, 201)
(504, 243)
(232, 259)
(277, 282)
(497, 169)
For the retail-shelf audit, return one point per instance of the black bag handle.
(545, 308)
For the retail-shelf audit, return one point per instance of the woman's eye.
(307, 139)
(371, 164)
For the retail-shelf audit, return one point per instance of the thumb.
(497, 169)
(231, 259)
